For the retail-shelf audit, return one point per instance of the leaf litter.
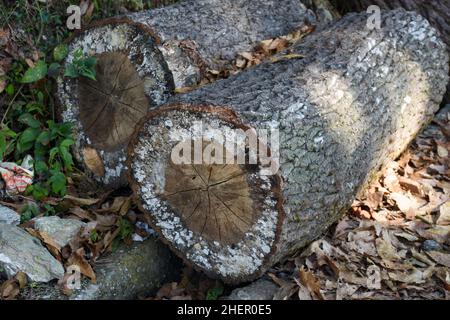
(395, 241)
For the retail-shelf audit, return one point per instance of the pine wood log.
(144, 55)
(352, 104)
(436, 11)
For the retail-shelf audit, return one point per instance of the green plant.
(47, 141)
(81, 66)
(215, 293)
(93, 236)
(28, 212)
(126, 229)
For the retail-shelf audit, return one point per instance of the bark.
(436, 11)
(146, 55)
(351, 105)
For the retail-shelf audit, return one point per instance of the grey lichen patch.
(231, 260)
(138, 50)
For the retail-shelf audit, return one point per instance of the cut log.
(352, 103)
(437, 12)
(144, 55)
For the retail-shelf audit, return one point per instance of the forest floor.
(393, 243)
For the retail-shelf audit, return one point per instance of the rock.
(431, 245)
(9, 216)
(259, 290)
(60, 230)
(19, 251)
(132, 271)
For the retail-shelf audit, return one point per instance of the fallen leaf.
(308, 279)
(77, 259)
(72, 201)
(10, 289)
(48, 241)
(93, 161)
(22, 279)
(444, 214)
(414, 277)
(439, 257)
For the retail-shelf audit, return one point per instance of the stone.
(431, 245)
(138, 270)
(19, 251)
(259, 290)
(9, 216)
(60, 230)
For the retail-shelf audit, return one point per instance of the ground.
(392, 244)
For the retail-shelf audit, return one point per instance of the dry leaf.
(22, 279)
(441, 258)
(308, 279)
(444, 214)
(71, 201)
(10, 289)
(77, 259)
(48, 241)
(93, 161)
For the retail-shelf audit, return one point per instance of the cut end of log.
(132, 77)
(221, 207)
(220, 214)
(111, 105)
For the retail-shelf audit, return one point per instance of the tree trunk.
(436, 11)
(143, 56)
(352, 104)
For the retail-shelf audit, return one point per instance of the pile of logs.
(338, 106)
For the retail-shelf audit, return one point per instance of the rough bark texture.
(167, 47)
(436, 11)
(353, 103)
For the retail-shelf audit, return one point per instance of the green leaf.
(26, 140)
(53, 152)
(29, 135)
(66, 143)
(2, 146)
(58, 182)
(29, 211)
(39, 192)
(78, 54)
(126, 229)
(70, 71)
(40, 167)
(44, 137)
(29, 120)
(214, 293)
(6, 135)
(90, 62)
(60, 52)
(10, 89)
(94, 236)
(66, 157)
(49, 210)
(34, 74)
(53, 69)
(88, 73)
